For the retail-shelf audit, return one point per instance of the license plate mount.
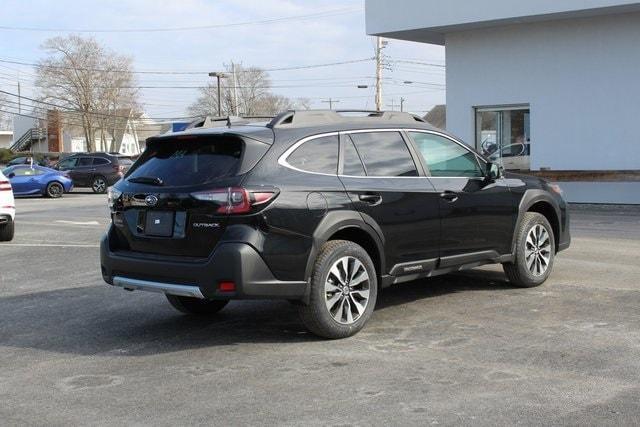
(159, 224)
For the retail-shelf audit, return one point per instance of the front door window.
(503, 135)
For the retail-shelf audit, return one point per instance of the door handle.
(92, 170)
(449, 196)
(370, 198)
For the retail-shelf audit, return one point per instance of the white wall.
(581, 78)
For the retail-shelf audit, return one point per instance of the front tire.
(99, 184)
(195, 306)
(343, 292)
(54, 190)
(7, 231)
(535, 252)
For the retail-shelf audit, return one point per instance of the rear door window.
(178, 162)
(85, 161)
(97, 161)
(384, 154)
(318, 155)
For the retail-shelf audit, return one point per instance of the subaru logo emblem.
(151, 200)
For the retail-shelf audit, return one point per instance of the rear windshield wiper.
(151, 180)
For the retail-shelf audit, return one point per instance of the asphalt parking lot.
(462, 349)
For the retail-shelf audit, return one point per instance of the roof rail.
(300, 118)
(212, 121)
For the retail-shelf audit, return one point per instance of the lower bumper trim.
(165, 288)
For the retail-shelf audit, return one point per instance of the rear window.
(100, 161)
(189, 162)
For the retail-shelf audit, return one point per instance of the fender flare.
(335, 221)
(530, 198)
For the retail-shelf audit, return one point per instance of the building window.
(503, 135)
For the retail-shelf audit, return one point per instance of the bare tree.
(250, 96)
(93, 84)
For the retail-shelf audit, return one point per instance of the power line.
(327, 13)
(97, 70)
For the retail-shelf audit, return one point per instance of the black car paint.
(417, 230)
(83, 175)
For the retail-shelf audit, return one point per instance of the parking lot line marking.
(78, 222)
(49, 245)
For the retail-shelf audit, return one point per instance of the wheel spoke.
(331, 302)
(339, 314)
(335, 271)
(348, 309)
(360, 278)
(362, 293)
(359, 307)
(330, 287)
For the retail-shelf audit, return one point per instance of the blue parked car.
(32, 180)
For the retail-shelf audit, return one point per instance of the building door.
(503, 136)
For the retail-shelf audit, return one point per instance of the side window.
(85, 161)
(317, 155)
(352, 164)
(97, 161)
(67, 164)
(384, 154)
(445, 158)
(23, 171)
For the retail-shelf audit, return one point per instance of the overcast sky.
(334, 37)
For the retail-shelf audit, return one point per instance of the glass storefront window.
(502, 135)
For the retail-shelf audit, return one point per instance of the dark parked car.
(97, 171)
(325, 210)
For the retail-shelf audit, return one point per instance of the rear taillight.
(236, 200)
(5, 186)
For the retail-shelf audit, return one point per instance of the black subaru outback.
(324, 209)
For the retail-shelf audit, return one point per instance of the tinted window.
(85, 161)
(352, 165)
(189, 162)
(97, 161)
(317, 155)
(384, 154)
(445, 157)
(125, 162)
(67, 163)
(25, 172)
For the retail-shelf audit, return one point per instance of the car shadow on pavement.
(101, 320)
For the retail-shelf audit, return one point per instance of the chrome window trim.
(282, 160)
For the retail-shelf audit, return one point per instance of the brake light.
(235, 200)
(5, 186)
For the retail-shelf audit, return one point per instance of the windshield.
(177, 162)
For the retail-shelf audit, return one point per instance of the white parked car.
(7, 209)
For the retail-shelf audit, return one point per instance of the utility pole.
(402, 104)
(235, 90)
(331, 101)
(379, 47)
(219, 76)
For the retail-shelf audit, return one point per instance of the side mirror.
(494, 171)
(11, 175)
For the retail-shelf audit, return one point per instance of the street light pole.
(218, 76)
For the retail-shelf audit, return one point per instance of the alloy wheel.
(538, 250)
(99, 185)
(55, 190)
(347, 290)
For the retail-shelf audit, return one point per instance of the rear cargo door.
(159, 208)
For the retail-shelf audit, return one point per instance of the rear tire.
(7, 231)
(195, 306)
(99, 184)
(343, 291)
(535, 252)
(54, 190)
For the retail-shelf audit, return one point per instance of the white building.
(552, 85)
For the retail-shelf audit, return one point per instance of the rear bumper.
(236, 262)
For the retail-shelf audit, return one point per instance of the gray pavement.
(465, 349)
